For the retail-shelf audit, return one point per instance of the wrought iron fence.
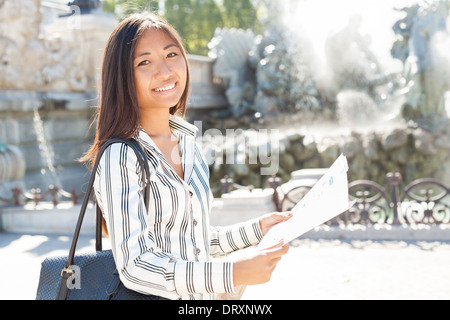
(422, 201)
(18, 196)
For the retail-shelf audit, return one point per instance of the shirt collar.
(183, 130)
(179, 125)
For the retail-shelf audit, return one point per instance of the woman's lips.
(166, 88)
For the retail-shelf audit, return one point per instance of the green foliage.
(125, 7)
(195, 20)
(240, 14)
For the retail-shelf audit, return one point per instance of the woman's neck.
(156, 125)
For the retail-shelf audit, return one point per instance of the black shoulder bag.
(90, 276)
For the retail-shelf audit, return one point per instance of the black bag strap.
(142, 159)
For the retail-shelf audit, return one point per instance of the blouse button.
(195, 222)
(197, 251)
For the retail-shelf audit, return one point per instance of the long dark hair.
(118, 114)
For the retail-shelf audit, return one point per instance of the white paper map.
(327, 199)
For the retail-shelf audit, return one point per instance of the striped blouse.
(170, 251)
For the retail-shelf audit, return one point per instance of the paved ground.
(333, 269)
(313, 269)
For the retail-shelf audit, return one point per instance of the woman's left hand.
(271, 219)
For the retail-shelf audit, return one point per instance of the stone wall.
(51, 130)
(204, 94)
(413, 152)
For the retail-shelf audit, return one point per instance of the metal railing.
(36, 195)
(227, 184)
(422, 201)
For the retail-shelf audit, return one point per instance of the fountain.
(340, 97)
(422, 44)
(292, 104)
(48, 79)
(50, 53)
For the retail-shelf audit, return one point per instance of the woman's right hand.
(258, 267)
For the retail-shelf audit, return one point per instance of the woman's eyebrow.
(170, 46)
(143, 54)
(149, 53)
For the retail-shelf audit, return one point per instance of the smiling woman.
(126, 59)
(167, 249)
(160, 75)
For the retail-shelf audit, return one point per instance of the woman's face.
(160, 71)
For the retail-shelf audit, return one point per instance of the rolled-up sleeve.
(228, 239)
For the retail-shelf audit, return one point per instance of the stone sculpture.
(12, 163)
(62, 56)
(49, 62)
(229, 48)
(20, 47)
(284, 79)
(362, 88)
(422, 44)
(260, 73)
